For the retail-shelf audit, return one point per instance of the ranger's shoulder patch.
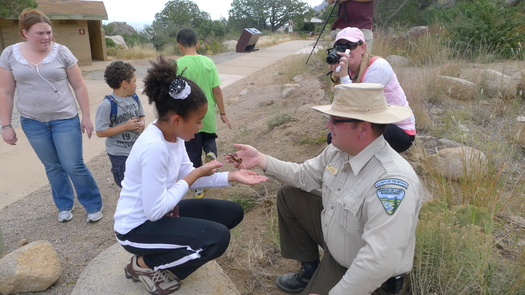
(391, 197)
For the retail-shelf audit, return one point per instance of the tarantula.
(235, 158)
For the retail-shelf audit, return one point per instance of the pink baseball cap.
(351, 34)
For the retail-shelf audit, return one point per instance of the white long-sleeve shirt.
(153, 182)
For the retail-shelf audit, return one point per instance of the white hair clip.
(179, 89)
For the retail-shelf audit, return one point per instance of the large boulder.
(31, 268)
(416, 32)
(120, 28)
(456, 163)
(105, 275)
(498, 85)
(456, 88)
(519, 78)
(119, 40)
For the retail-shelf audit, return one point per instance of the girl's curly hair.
(157, 87)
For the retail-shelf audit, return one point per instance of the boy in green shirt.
(201, 70)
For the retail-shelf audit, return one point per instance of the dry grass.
(265, 41)
(133, 53)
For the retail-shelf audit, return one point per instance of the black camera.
(332, 56)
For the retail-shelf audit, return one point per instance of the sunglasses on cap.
(349, 45)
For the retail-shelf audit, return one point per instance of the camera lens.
(333, 57)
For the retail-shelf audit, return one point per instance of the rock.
(519, 78)
(230, 45)
(298, 78)
(444, 4)
(495, 84)
(512, 3)
(517, 220)
(118, 40)
(105, 275)
(397, 61)
(289, 88)
(266, 103)
(23, 242)
(120, 28)
(456, 88)
(453, 163)
(520, 119)
(31, 268)
(318, 96)
(416, 32)
(244, 92)
(449, 143)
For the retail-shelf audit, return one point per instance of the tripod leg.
(322, 30)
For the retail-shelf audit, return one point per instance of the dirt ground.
(253, 260)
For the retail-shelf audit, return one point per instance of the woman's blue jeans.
(58, 144)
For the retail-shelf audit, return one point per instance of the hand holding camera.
(346, 65)
(332, 56)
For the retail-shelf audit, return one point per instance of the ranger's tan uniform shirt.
(371, 203)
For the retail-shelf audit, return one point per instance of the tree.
(181, 13)
(212, 28)
(266, 14)
(177, 14)
(12, 8)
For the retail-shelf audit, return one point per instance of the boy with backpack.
(120, 116)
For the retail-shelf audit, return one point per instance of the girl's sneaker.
(159, 282)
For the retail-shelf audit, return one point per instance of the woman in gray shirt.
(41, 71)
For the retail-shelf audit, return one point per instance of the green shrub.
(279, 119)
(482, 27)
(110, 43)
(458, 258)
(213, 45)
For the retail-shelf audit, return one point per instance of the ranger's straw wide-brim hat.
(365, 102)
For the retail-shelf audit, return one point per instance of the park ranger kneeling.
(366, 214)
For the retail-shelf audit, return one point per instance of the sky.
(140, 13)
